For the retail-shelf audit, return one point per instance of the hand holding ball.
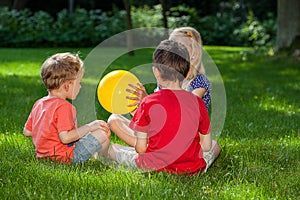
(112, 91)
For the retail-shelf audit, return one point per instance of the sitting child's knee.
(100, 135)
(112, 118)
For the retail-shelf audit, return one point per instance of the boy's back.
(172, 119)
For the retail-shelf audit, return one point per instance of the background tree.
(164, 16)
(129, 27)
(288, 25)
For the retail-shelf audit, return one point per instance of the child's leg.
(90, 144)
(211, 155)
(102, 138)
(120, 126)
(113, 151)
(123, 155)
(216, 148)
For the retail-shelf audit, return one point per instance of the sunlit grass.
(260, 142)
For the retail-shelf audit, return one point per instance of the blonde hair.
(191, 38)
(59, 68)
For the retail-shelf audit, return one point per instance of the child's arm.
(27, 132)
(70, 136)
(205, 141)
(141, 142)
(199, 92)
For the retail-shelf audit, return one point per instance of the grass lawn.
(260, 142)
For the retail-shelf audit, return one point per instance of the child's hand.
(139, 92)
(105, 128)
(99, 124)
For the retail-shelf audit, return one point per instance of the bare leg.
(102, 138)
(214, 145)
(216, 148)
(112, 151)
(120, 126)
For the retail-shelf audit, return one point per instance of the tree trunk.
(129, 28)
(165, 18)
(71, 6)
(288, 25)
(19, 4)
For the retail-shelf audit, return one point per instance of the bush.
(218, 29)
(89, 28)
(257, 34)
(81, 28)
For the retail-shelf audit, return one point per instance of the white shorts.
(126, 155)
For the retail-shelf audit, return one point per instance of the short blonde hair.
(191, 38)
(59, 68)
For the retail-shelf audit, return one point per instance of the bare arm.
(199, 92)
(141, 142)
(27, 132)
(205, 141)
(75, 134)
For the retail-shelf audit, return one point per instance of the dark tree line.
(286, 11)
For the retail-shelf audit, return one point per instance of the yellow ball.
(112, 91)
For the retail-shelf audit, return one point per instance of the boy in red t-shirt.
(52, 122)
(168, 123)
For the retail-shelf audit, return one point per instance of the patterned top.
(201, 81)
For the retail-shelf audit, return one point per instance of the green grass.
(260, 142)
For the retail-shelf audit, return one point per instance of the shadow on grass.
(263, 97)
(260, 144)
(18, 94)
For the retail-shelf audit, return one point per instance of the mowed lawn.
(260, 141)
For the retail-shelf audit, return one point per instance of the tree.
(71, 6)
(129, 27)
(19, 4)
(164, 17)
(288, 25)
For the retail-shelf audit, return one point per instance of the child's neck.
(56, 94)
(171, 85)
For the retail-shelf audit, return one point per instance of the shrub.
(257, 34)
(89, 28)
(218, 29)
(81, 28)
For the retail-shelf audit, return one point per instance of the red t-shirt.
(48, 117)
(172, 120)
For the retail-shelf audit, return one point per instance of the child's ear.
(66, 86)
(155, 72)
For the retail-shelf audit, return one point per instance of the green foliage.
(81, 28)
(256, 33)
(146, 16)
(218, 29)
(89, 28)
(182, 16)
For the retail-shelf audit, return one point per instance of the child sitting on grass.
(52, 122)
(168, 123)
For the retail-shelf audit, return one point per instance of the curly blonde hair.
(59, 68)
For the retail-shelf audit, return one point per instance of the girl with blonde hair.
(196, 81)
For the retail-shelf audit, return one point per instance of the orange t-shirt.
(48, 117)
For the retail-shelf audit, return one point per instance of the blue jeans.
(85, 148)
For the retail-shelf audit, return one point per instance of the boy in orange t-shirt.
(52, 122)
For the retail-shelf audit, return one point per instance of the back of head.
(60, 68)
(187, 32)
(191, 38)
(172, 60)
